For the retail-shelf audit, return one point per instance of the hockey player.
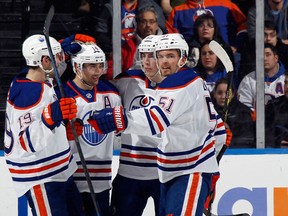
(137, 178)
(91, 93)
(185, 119)
(37, 151)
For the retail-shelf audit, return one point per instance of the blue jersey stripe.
(153, 131)
(39, 161)
(171, 169)
(29, 140)
(139, 164)
(138, 148)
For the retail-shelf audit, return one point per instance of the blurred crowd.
(230, 23)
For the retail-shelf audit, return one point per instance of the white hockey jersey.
(34, 154)
(186, 120)
(97, 149)
(274, 87)
(138, 155)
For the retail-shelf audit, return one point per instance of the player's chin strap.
(179, 64)
(47, 72)
(84, 82)
(156, 73)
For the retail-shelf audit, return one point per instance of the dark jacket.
(276, 122)
(240, 123)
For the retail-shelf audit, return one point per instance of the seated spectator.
(105, 20)
(270, 36)
(129, 11)
(239, 119)
(210, 67)
(147, 24)
(276, 120)
(274, 79)
(232, 22)
(206, 29)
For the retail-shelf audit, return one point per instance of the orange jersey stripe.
(206, 148)
(149, 157)
(40, 169)
(40, 200)
(192, 194)
(155, 118)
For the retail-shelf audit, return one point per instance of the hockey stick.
(224, 58)
(83, 162)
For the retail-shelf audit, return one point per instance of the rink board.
(252, 181)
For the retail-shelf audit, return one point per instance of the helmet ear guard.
(35, 47)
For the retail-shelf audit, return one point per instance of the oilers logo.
(89, 135)
(141, 101)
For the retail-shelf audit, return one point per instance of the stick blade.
(222, 55)
(48, 20)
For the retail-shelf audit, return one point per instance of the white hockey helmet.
(89, 53)
(173, 41)
(35, 47)
(148, 44)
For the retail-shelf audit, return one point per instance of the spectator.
(274, 10)
(147, 24)
(276, 120)
(206, 29)
(232, 22)
(238, 120)
(91, 93)
(129, 11)
(270, 36)
(210, 67)
(185, 169)
(274, 79)
(137, 177)
(37, 151)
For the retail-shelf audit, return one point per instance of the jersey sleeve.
(26, 124)
(219, 134)
(170, 105)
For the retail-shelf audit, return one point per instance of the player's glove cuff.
(51, 115)
(108, 120)
(54, 113)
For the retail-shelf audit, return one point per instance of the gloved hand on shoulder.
(70, 45)
(110, 119)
